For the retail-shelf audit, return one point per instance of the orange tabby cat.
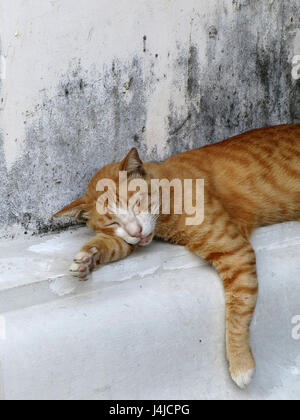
(250, 180)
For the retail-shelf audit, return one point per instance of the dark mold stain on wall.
(246, 82)
(84, 126)
(96, 117)
(5, 215)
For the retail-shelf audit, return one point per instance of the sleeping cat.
(250, 180)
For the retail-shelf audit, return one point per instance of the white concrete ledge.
(151, 326)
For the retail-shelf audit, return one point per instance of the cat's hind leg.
(235, 261)
(237, 268)
(99, 250)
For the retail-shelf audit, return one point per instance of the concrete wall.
(85, 81)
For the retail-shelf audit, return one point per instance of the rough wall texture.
(85, 81)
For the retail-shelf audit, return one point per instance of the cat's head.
(130, 216)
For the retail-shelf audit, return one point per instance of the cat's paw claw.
(243, 379)
(83, 265)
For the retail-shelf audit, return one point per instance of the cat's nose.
(138, 232)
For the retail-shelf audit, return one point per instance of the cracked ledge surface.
(151, 326)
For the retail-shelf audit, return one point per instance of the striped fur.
(251, 180)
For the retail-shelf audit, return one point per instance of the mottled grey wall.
(4, 197)
(233, 72)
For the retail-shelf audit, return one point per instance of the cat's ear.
(132, 163)
(76, 210)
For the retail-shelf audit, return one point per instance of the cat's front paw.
(84, 263)
(242, 370)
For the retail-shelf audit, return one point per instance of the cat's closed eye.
(113, 225)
